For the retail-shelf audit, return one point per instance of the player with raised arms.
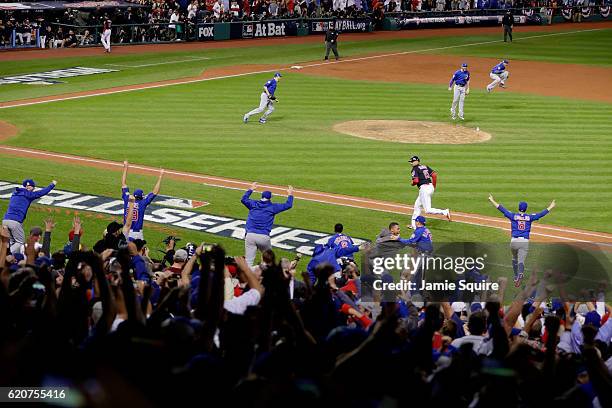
(520, 224)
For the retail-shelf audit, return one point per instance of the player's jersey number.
(521, 225)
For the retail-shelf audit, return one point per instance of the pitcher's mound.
(407, 131)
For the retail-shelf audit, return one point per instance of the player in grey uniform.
(267, 99)
(461, 88)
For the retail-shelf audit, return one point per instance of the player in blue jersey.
(267, 99)
(140, 204)
(461, 88)
(499, 74)
(520, 224)
(339, 240)
(420, 238)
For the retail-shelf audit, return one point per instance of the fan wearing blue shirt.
(461, 88)
(18, 209)
(267, 99)
(520, 225)
(260, 220)
(140, 204)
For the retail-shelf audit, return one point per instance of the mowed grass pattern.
(542, 147)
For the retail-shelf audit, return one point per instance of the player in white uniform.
(425, 179)
(499, 75)
(106, 36)
(461, 88)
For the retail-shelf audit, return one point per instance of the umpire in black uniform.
(331, 41)
(508, 22)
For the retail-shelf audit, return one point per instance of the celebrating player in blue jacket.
(420, 238)
(18, 209)
(140, 205)
(267, 99)
(520, 224)
(260, 220)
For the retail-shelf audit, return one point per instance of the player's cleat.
(518, 280)
(453, 117)
(488, 90)
(262, 120)
(461, 117)
(245, 118)
(502, 85)
(448, 215)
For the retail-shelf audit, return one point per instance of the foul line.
(138, 87)
(319, 197)
(159, 63)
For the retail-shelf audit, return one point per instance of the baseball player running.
(425, 179)
(140, 204)
(267, 100)
(520, 224)
(106, 36)
(461, 79)
(499, 75)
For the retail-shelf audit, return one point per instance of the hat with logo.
(414, 158)
(266, 195)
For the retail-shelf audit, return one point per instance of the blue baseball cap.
(277, 74)
(475, 307)
(593, 319)
(505, 61)
(522, 206)
(266, 195)
(138, 193)
(464, 65)
(28, 182)
(421, 219)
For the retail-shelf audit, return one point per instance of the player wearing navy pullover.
(18, 209)
(520, 225)
(260, 220)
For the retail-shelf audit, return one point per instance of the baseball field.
(179, 107)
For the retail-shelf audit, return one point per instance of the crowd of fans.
(118, 326)
(155, 21)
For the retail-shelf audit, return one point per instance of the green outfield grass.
(588, 47)
(542, 148)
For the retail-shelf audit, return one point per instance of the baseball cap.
(138, 193)
(464, 65)
(593, 318)
(458, 307)
(420, 219)
(277, 74)
(113, 227)
(28, 182)
(522, 206)
(36, 231)
(475, 307)
(180, 255)
(414, 158)
(266, 195)
(505, 61)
